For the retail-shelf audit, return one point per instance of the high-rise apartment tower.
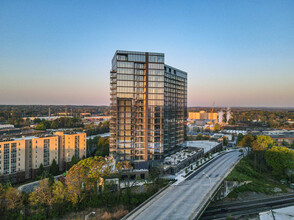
(148, 105)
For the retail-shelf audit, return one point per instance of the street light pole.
(209, 181)
(207, 177)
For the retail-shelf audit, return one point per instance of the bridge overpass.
(188, 199)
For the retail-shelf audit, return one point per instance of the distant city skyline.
(237, 53)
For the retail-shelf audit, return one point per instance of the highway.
(186, 199)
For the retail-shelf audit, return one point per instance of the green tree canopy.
(225, 141)
(40, 126)
(41, 171)
(42, 195)
(216, 127)
(239, 138)
(262, 142)
(54, 169)
(103, 147)
(247, 141)
(280, 159)
(73, 161)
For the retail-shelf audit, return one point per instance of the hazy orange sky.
(236, 53)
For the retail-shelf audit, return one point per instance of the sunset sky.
(236, 53)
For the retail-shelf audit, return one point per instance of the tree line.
(267, 155)
(63, 122)
(262, 118)
(83, 186)
(100, 129)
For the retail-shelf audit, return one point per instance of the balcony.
(113, 75)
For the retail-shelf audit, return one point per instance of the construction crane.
(211, 113)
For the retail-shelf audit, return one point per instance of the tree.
(73, 161)
(42, 196)
(225, 141)
(53, 125)
(59, 192)
(279, 159)
(285, 143)
(40, 126)
(239, 138)
(13, 199)
(120, 166)
(37, 121)
(103, 147)
(259, 146)
(75, 179)
(41, 171)
(247, 141)
(2, 200)
(216, 127)
(54, 169)
(232, 121)
(262, 142)
(86, 175)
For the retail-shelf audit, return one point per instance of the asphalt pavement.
(182, 201)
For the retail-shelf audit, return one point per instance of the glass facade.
(148, 105)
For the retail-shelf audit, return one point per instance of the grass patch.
(261, 181)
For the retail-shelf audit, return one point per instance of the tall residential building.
(148, 106)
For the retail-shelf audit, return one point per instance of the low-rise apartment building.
(21, 158)
(71, 145)
(43, 150)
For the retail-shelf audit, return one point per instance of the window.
(122, 57)
(156, 72)
(155, 78)
(125, 64)
(156, 66)
(125, 89)
(155, 90)
(125, 77)
(156, 59)
(124, 70)
(6, 159)
(133, 57)
(155, 102)
(125, 83)
(141, 72)
(155, 96)
(139, 65)
(156, 84)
